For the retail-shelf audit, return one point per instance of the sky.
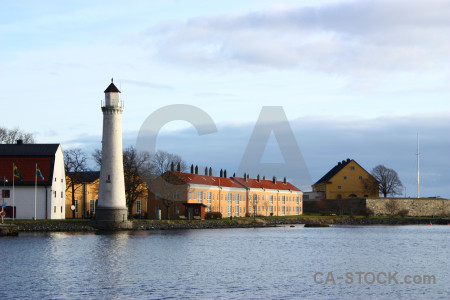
(355, 79)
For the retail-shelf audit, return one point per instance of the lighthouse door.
(158, 213)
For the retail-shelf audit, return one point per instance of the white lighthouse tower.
(111, 211)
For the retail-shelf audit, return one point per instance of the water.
(265, 263)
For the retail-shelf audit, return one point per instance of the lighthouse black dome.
(112, 89)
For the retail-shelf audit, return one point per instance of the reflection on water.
(227, 263)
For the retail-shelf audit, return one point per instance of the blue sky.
(356, 79)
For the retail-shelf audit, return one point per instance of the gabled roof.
(266, 184)
(34, 150)
(112, 89)
(26, 157)
(190, 178)
(87, 177)
(336, 169)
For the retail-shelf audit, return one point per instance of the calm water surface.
(269, 263)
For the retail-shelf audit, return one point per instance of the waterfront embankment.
(85, 225)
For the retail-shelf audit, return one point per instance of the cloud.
(350, 37)
(148, 84)
(324, 141)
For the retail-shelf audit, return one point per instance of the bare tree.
(137, 168)
(10, 136)
(389, 183)
(75, 164)
(140, 171)
(162, 162)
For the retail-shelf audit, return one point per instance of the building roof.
(86, 177)
(266, 184)
(206, 180)
(336, 169)
(26, 157)
(34, 150)
(112, 89)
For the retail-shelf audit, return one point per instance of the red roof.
(207, 180)
(27, 168)
(237, 182)
(266, 184)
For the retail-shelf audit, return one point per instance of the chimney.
(206, 171)
(343, 161)
(192, 169)
(234, 174)
(257, 178)
(264, 177)
(172, 167)
(274, 179)
(225, 174)
(247, 177)
(19, 142)
(221, 173)
(284, 180)
(348, 159)
(179, 167)
(210, 171)
(196, 169)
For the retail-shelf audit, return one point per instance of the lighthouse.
(111, 211)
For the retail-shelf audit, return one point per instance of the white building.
(27, 191)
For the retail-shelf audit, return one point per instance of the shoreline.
(85, 225)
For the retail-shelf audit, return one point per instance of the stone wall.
(416, 207)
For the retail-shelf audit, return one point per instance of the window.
(271, 199)
(296, 200)
(55, 181)
(339, 187)
(138, 206)
(200, 197)
(209, 197)
(54, 193)
(360, 177)
(61, 209)
(175, 195)
(352, 168)
(92, 205)
(345, 177)
(54, 207)
(61, 194)
(190, 195)
(177, 209)
(76, 205)
(271, 209)
(157, 196)
(5, 194)
(283, 200)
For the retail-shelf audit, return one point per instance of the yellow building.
(346, 180)
(86, 196)
(173, 193)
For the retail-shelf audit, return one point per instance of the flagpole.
(35, 190)
(13, 210)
